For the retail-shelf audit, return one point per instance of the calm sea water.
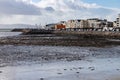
(6, 34)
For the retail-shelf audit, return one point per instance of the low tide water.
(7, 34)
(103, 65)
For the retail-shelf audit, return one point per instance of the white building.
(97, 23)
(118, 21)
(77, 23)
(63, 22)
(89, 23)
(50, 26)
(70, 24)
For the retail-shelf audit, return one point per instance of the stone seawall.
(95, 34)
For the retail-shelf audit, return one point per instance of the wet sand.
(58, 57)
(59, 63)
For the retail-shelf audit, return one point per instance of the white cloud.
(18, 7)
(65, 5)
(48, 11)
(76, 9)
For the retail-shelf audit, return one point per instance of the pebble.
(92, 68)
(71, 69)
(74, 68)
(77, 72)
(59, 73)
(65, 69)
(0, 71)
(41, 78)
(118, 69)
(80, 67)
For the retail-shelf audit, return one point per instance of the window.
(117, 19)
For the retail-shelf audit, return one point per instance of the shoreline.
(64, 39)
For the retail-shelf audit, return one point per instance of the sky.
(52, 11)
(106, 3)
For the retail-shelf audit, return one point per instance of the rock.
(41, 78)
(92, 68)
(71, 69)
(0, 71)
(59, 73)
(80, 68)
(118, 69)
(77, 72)
(74, 68)
(65, 69)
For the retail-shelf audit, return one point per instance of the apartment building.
(77, 23)
(97, 23)
(117, 22)
(70, 24)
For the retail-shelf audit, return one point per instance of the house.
(59, 26)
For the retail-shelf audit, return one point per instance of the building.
(70, 24)
(117, 22)
(62, 22)
(50, 26)
(59, 26)
(84, 24)
(109, 24)
(77, 23)
(97, 23)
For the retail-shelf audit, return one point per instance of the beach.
(59, 63)
(58, 57)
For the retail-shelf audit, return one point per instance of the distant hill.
(12, 26)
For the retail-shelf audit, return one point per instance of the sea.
(8, 32)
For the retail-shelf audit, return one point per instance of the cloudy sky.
(50, 11)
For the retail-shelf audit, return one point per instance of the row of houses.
(93, 23)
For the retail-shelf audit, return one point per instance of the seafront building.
(117, 22)
(59, 26)
(77, 23)
(97, 23)
(92, 23)
(56, 26)
(89, 23)
(70, 24)
(50, 26)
